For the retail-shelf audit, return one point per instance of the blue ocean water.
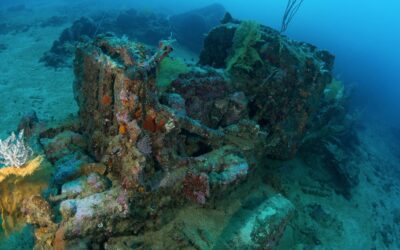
(333, 185)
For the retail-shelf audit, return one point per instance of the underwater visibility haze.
(231, 124)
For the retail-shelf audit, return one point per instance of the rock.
(213, 174)
(69, 167)
(265, 228)
(38, 211)
(347, 170)
(190, 27)
(62, 48)
(85, 185)
(6, 28)
(62, 145)
(147, 27)
(237, 109)
(323, 217)
(216, 46)
(206, 97)
(175, 101)
(94, 215)
(68, 209)
(196, 187)
(93, 168)
(283, 79)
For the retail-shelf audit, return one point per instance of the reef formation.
(149, 166)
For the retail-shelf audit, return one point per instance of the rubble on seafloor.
(139, 162)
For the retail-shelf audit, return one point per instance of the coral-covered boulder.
(283, 79)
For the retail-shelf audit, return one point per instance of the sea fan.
(13, 151)
(144, 145)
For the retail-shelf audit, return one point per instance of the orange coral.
(106, 100)
(152, 123)
(122, 129)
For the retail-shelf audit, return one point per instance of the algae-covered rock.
(245, 55)
(284, 80)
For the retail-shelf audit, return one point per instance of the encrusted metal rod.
(193, 126)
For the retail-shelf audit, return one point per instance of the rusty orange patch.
(106, 100)
(122, 129)
(150, 124)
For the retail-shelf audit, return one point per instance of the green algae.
(244, 54)
(169, 70)
(334, 91)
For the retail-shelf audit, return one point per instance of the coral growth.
(334, 91)
(169, 70)
(144, 145)
(32, 179)
(196, 188)
(14, 152)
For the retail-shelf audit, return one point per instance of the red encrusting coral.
(196, 188)
(106, 100)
